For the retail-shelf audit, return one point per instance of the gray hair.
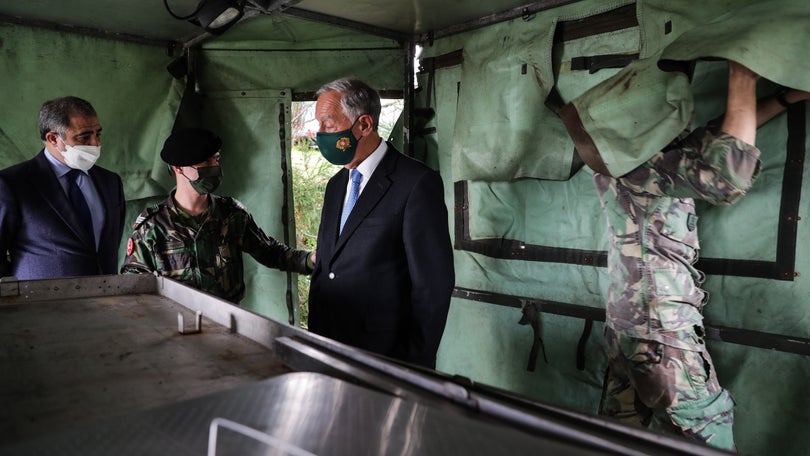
(54, 115)
(357, 98)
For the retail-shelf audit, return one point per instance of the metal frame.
(302, 351)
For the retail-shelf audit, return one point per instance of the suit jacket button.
(331, 275)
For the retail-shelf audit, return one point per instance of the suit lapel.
(373, 192)
(55, 196)
(334, 205)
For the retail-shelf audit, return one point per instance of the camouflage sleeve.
(139, 259)
(717, 168)
(272, 253)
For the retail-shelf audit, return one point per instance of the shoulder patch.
(145, 215)
(235, 203)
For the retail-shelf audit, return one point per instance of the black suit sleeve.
(430, 263)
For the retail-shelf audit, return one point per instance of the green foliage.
(310, 174)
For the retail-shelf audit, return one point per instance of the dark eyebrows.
(88, 132)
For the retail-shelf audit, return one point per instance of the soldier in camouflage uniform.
(660, 373)
(198, 238)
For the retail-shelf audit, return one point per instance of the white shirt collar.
(59, 168)
(367, 166)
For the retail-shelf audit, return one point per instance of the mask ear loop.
(358, 120)
(355, 123)
(60, 138)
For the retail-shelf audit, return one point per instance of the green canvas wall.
(484, 339)
(135, 97)
(243, 83)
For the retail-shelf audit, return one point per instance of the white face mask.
(81, 157)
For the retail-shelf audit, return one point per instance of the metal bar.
(768, 341)
(529, 416)
(442, 61)
(286, 185)
(87, 31)
(521, 11)
(756, 339)
(249, 432)
(78, 287)
(310, 96)
(340, 22)
(239, 320)
(410, 55)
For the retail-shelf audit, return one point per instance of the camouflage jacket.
(205, 254)
(654, 291)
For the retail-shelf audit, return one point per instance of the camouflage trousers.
(668, 389)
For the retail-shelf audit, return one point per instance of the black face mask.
(208, 179)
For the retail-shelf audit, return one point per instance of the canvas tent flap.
(294, 53)
(135, 97)
(514, 77)
(622, 122)
(504, 131)
(769, 37)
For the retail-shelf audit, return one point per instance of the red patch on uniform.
(130, 246)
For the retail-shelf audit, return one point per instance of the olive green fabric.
(273, 51)
(135, 97)
(632, 116)
(770, 37)
(505, 129)
(137, 100)
(771, 417)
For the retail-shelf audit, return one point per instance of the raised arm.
(769, 107)
(741, 115)
(740, 112)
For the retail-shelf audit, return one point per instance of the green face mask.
(208, 179)
(337, 148)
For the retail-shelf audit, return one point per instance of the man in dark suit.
(60, 216)
(384, 272)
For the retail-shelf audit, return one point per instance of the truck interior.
(482, 84)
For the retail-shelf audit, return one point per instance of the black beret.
(189, 146)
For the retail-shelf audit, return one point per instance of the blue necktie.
(355, 191)
(78, 201)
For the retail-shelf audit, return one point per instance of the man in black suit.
(60, 216)
(384, 272)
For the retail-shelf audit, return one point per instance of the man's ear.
(52, 137)
(366, 123)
